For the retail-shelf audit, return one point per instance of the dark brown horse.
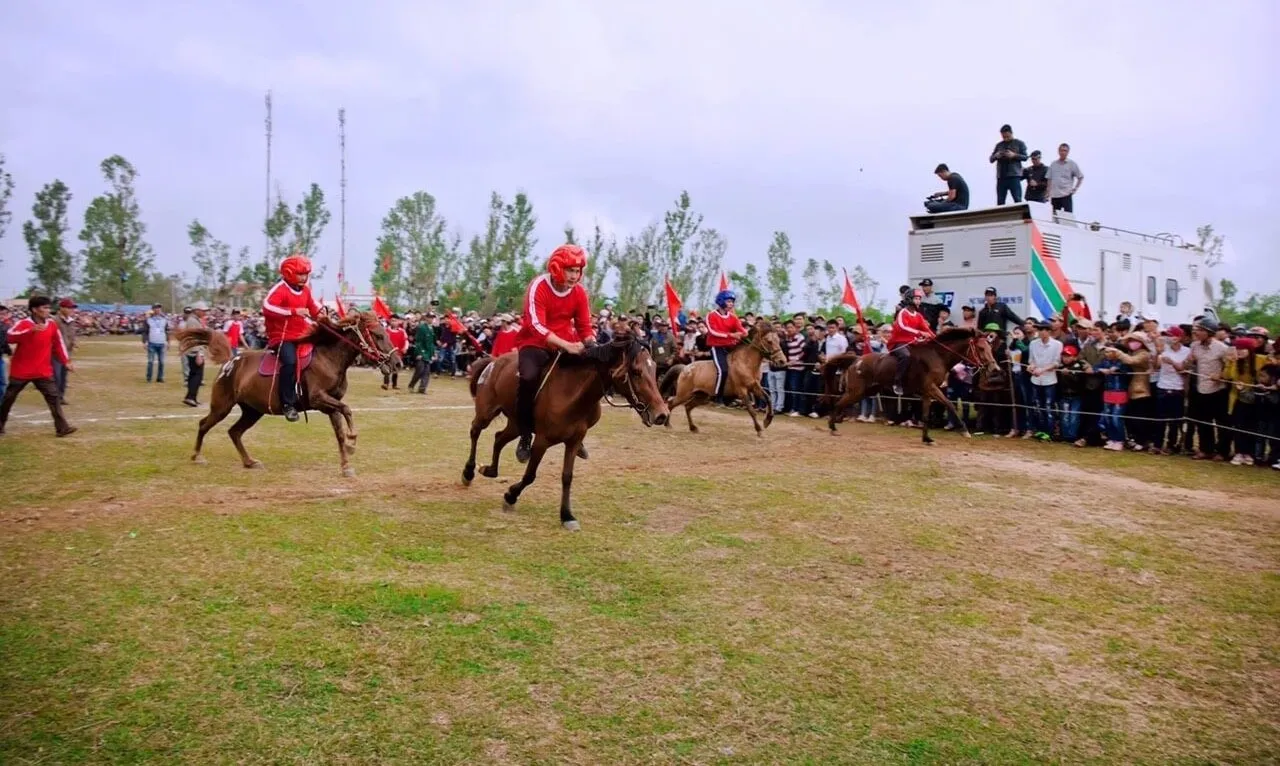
(850, 378)
(568, 405)
(695, 383)
(335, 344)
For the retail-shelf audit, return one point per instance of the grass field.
(797, 599)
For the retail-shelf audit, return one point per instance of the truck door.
(1111, 287)
(1151, 271)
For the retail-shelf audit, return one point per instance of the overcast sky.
(824, 119)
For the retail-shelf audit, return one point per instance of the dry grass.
(800, 598)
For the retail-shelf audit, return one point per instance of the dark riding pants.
(195, 377)
(287, 374)
(720, 358)
(529, 366)
(902, 356)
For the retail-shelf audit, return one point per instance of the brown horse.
(336, 345)
(695, 383)
(568, 405)
(849, 378)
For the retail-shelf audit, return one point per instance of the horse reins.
(366, 347)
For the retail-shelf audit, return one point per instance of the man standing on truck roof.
(1037, 178)
(1008, 157)
(1064, 180)
(995, 311)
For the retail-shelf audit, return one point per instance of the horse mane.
(949, 334)
(327, 331)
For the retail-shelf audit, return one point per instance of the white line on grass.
(193, 415)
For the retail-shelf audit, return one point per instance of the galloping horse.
(865, 376)
(250, 379)
(568, 405)
(695, 383)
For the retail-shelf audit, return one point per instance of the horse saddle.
(269, 364)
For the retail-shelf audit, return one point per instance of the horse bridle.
(970, 354)
(633, 346)
(366, 345)
(758, 346)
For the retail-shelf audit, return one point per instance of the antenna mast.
(342, 204)
(266, 243)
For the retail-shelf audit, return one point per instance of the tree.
(1211, 244)
(705, 261)
(635, 263)
(515, 262)
(601, 251)
(310, 217)
(52, 266)
(675, 257)
(746, 284)
(415, 253)
(812, 284)
(569, 235)
(866, 287)
(117, 258)
(214, 264)
(1257, 310)
(480, 269)
(6, 193)
(778, 273)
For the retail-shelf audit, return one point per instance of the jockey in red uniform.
(287, 312)
(556, 317)
(724, 330)
(909, 326)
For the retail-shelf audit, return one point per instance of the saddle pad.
(267, 367)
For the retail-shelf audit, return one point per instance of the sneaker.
(290, 414)
(1238, 459)
(793, 414)
(70, 430)
(814, 415)
(1028, 435)
(897, 390)
(524, 448)
(191, 402)
(1248, 460)
(1275, 465)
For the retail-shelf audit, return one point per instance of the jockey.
(287, 312)
(909, 326)
(724, 330)
(556, 317)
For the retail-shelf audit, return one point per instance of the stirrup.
(524, 448)
(291, 414)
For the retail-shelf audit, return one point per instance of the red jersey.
(909, 326)
(278, 308)
(546, 311)
(34, 347)
(233, 330)
(399, 339)
(719, 327)
(503, 342)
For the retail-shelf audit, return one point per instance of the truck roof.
(1024, 211)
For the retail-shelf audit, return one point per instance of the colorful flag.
(724, 282)
(381, 308)
(673, 304)
(342, 309)
(461, 329)
(849, 299)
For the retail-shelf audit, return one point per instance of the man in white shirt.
(1064, 180)
(1171, 385)
(1044, 356)
(835, 343)
(155, 336)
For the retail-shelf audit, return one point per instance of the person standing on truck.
(1064, 180)
(1037, 177)
(1008, 157)
(956, 197)
(995, 311)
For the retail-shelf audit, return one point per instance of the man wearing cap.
(424, 351)
(930, 297)
(993, 311)
(195, 357)
(956, 197)
(66, 321)
(1210, 397)
(1037, 177)
(1008, 157)
(155, 338)
(36, 342)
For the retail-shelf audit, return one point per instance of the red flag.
(461, 329)
(342, 309)
(380, 308)
(849, 299)
(673, 305)
(724, 282)
(386, 262)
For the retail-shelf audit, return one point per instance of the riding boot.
(526, 393)
(287, 380)
(901, 373)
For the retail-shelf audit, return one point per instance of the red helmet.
(566, 257)
(294, 268)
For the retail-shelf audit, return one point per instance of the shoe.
(1238, 459)
(897, 390)
(582, 452)
(814, 415)
(159, 380)
(385, 387)
(523, 448)
(1080, 442)
(191, 402)
(70, 430)
(290, 414)
(793, 414)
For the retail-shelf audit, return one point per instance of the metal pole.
(266, 243)
(342, 204)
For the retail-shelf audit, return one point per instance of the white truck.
(1036, 262)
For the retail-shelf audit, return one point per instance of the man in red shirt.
(556, 317)
(399, 340)
(234, 330)
(724, 330)
(504, 337)
(36, 343)
(909, 326)
(287, 312)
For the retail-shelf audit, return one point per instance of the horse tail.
(219, 348)
(667, 386)
(473, 373)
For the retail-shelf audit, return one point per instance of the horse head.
(764, 337)
(633, 373)
(970, 345)
(362, 330)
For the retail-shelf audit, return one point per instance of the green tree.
(1256, 310)
(6, 194)
(117, 258)
(746, 284)
(570, 235)
(416, 244)
(215, 267)
(778, 273)
(812, 284)
(52, 265)
(601, 251)
(705, 261)
(1211, 244)
(635, 264)
(516, 266)
(677, 245)
(480, 267)
(310, 217)
(866, 287)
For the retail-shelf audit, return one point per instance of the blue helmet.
(724, 296)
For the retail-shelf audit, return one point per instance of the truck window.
(1151, 291)
(1171, 292)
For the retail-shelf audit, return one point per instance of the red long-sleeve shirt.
(719, 327)
(503, 342)
(908, 327)
(34, 347)
(546, 311)
(399, 339)
(278, 308)
(233, 329)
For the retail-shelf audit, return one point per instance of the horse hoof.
(349, 472)
(489, 472)
(199, 460)
(508, 507)
(572, 525)
(256, 464)
(929, 443)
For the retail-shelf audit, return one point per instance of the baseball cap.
(66, 303)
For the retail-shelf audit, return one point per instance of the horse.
(850, 378)
(567, 406)
(695, 383)
(251, 380)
